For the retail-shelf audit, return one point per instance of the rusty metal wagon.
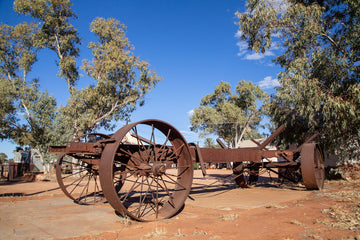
(145, 169)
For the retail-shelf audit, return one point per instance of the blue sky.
(192, 44)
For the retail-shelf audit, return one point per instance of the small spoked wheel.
(78, 177)
(147, 172)
(312, 166)
(246, 174)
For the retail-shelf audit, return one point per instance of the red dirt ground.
(217, 209)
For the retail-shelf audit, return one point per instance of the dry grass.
(197, 233)
(346, 214)
(126, 221)
(342, 218)
(179, 234)
(229, 217)
(276, 206)
(215, 237)
(296, 222)
(352, 238)
(157, 233)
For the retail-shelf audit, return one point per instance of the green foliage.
(3, 158)
(320, 82)
(7, 110)
(18, 49)
(29, 116)
(121, 79)
(209, 143)
(26, 113)
(56, 33)
(229, 116)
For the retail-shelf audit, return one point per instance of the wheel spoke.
(74, 174)
(140, 142)
(81, 185)
(149, 190)
(168, 192)
(175, 182)
(133, 187)
(96, 188)
(72, 163)
(163, 146)
(79, 180)
(174, 155)
(86, 187)
(141, 199)
(132, 156)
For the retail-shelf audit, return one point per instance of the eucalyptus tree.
(320, 80)
(3, 158)
(209, 143)
(230, 116)
(30, 116)
(57, 33)
(26, 113)
(121, 79)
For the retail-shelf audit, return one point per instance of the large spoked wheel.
(147, 172)
(78, 177)
(312, 166)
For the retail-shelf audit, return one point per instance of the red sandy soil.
(217, 209)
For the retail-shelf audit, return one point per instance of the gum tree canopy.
(121, 79)
(30, 116)
(320, 82)
(230, 116)
(26, 113)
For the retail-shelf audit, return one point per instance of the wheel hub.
(158, 169)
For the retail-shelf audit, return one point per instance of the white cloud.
(187, 132)
(243, 48)
(254, 56)
(248, 54)
(269, 82)
(191, 112)
(257, 56)
(280, 5)
(238, 34)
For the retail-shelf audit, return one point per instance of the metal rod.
(272, 137)
(271, 170)
(307, 141)
(222, 145)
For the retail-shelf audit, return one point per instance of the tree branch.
(244, 129)
(113, 108)
(333, 43)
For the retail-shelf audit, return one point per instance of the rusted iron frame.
(77, 148)
(219, 155)
(89, 152)
(254, 154)
(86, 151)
(225, 155)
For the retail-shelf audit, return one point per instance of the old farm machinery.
(145, 169)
